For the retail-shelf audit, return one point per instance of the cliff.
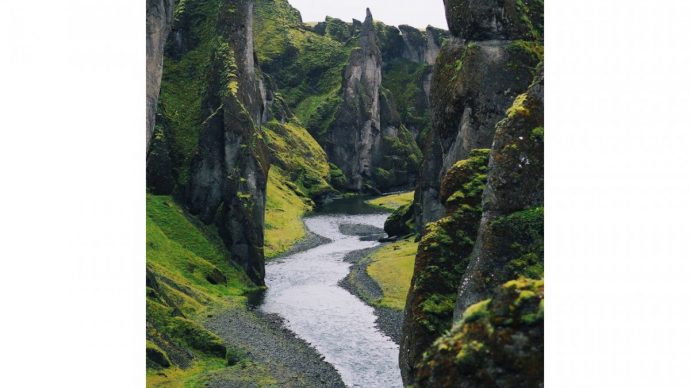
(498, 339)
(442, 257)
(228, 173)
(158, 21)
(479, 72)
(338, 76)
(478, 85)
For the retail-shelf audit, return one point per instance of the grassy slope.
(284, 209)
(392, 268)
(393, 201)
(182, 254)
(306, 67)
(306, 70)
(300, 171)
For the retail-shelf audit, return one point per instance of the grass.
(188, 252)
(299, 172)
(194, 274)
(392, 268)
(284, 211)
(393, 201)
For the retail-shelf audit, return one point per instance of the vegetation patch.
(392, 201)
(391, 267)
(188, 273)
(498, 342)
(284, 211)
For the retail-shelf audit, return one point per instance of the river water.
(303, 289)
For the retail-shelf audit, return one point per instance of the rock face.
(498, 343)
(495, 19)
(441, 260)
(490, 59)
(228, 174)
(474, 82)
(421, 46)
(499, 337)
(158, 21)
(355, 136)
(367, 140)
(511, 236)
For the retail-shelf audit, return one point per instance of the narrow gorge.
(344, 203)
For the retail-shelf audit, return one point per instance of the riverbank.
(360, 284)
(263, 340)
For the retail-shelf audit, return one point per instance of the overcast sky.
(418, 13)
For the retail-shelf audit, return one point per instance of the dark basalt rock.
(158, 20)
(473, 85)
(160, 179)
(401, 222)
(511, 236)
(498, 343)
(366, 140)
(441, 259)
(495, 19)
(229, 172)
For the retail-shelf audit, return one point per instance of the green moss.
(299, 156)
(531, 16)
(188, 251)
(306, 67)
(498, 342)
(537, 134)
(189, 272)
(196, 337)
(476, 311)
(519, 108)
(184, 79)
(522, 241)
(157, 355)
(401, 222)
(404, 80)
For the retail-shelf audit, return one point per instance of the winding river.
(303, 289)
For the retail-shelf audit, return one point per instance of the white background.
(72, 206)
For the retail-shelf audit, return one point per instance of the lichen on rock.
(441, 260)
(498, 342)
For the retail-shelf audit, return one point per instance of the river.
(303, 289)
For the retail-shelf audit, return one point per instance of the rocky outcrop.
(355, 137)
(421, 46)
(498, 340)
(441, 260)
(474, 82)
(495, 19)
(158, 21)
(481, 71)
(511, 236)
(498, 343)
(228, 174)
(367, 140)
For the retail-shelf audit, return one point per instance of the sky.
(417, 13)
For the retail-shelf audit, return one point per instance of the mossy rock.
(498, 343)
(197, 337)
(401, 222)
(496, 19)
(156, 355)
(466, 178)
(442, 259)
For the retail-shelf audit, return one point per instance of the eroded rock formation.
(228, 174)
(482, 70)
(158, 22)
(479, 72)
